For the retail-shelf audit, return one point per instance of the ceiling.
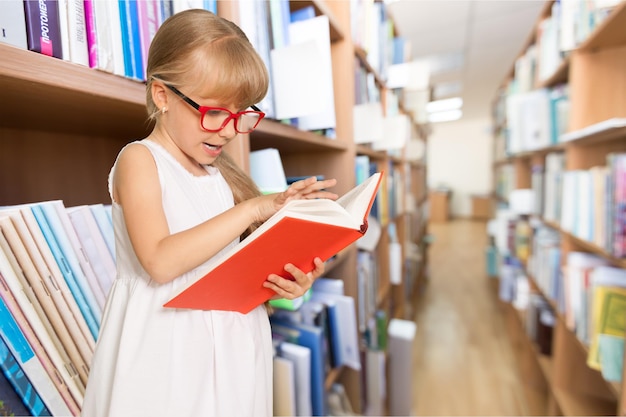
(470, 44)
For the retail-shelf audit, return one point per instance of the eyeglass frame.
(204, 109)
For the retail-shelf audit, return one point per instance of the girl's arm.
(165, 256)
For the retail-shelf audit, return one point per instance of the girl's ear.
(159, 95)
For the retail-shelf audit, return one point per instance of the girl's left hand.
(286, 288)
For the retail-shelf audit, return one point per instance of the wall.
(459, 156)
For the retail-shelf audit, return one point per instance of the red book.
(299, 232)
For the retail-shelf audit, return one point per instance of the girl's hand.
(286, 288)
(309, 188)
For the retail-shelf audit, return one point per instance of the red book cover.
(301, 231)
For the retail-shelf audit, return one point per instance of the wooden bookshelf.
(596, 73)
(62, 126)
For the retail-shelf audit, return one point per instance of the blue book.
(135, 39)
(304, 13)
(67, 272)
(126, 46)
(12, 404)
(15, 349)
(71, 256)
(313, 338)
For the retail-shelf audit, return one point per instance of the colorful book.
(92, 35)
(42, 256)
(297, 233)
(43, 297)
(13, 287)
(42, 27)
(63, 405)
(312, 338)
(45, 212)
(68, 274)
(148, 22)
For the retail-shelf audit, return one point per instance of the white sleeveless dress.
(155, 361)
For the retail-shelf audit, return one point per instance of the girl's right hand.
(309, 188)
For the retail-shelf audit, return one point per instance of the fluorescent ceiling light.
(453, 103)
(445, 116)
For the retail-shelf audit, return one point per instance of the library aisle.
(464, 362)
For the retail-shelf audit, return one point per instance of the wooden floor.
(463, 363)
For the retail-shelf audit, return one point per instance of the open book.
(297, 233)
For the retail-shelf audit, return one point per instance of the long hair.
(201, 52)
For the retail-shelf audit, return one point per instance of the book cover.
(77, 31)
(148, 22)
(299, 232)
(42, 27)
(104, 38)
(13, 23)
(11, 404)
(23, 387)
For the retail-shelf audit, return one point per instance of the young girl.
(179, 202)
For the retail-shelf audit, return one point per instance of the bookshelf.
(562, 383)
(63, 124)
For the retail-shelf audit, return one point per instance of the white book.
(103, 35)
(284, 392)
(73, 31)
(13, 23)
(64, 29)
(266, 169)
(300, 356)
(115, 30)
(95, 247)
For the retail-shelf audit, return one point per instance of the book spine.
(42, 27)
(77, 32)
(138, 70)
(64, 29)
(104, 39)
(148, 21)
(92, 37)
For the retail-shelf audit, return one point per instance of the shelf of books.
(560, 146)
(65, 117)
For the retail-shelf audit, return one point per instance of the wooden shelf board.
(591, 247)
(362, 56)
(610, 33)
(573, 404)
(593, 136)
(45, 93)
(365, 150)
(273, 134)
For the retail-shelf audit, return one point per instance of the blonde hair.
(202, 53)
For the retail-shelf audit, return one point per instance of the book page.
(358, 200)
